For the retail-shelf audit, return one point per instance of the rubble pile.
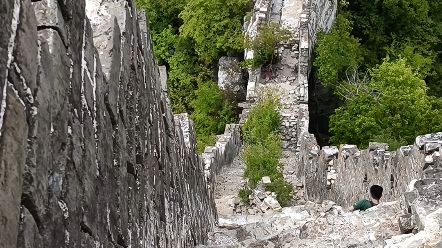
(413, 221)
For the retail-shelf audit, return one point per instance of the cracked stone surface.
(309, 225)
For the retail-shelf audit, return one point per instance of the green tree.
(164, 47)
(186, 36)
(162, 14)
(392, 105)
(216, 26)
(211, 113)
(337, 53)
(393, 28)
(163, 24)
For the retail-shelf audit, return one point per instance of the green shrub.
(262, 120)
(262, 159)
(211, 113)
(263, 149)
(243, 194)
(269, 38)
(249, 16)
(203, 140)
(282, 189)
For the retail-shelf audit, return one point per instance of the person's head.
(376, 192)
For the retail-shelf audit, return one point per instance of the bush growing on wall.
(269, 38)
(262, 120)
(263, 149)
(212, 113)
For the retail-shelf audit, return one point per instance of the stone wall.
(316, 16)
(345, 174)
(90, 152)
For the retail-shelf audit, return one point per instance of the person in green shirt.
(375, 195)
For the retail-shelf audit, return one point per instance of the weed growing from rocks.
(263, 148)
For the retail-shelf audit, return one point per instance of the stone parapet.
(91, 153)
(226, 148)
(345, 174)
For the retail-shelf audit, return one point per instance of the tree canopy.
(215, 26)
(338, 53)
(382, 58)
(393, 103)
(187, 36)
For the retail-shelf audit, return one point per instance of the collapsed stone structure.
(90, 152)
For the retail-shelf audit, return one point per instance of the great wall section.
(92, 156)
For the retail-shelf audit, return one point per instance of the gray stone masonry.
(344, 174)
(90, 152)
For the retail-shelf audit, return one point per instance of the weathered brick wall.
(90, 152)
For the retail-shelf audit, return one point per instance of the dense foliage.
(211, 113)
(215, 26)
(263, 149)
(188, 37)
(382, 58)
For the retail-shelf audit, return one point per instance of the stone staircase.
(311, 225)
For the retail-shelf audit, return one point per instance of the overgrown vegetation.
(263, 149)
(382, 58)
(270, 36)
(211, 113)
(189, 36)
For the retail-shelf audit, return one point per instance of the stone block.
(28, 237)
(266, 180)
(272, 203)
(431, 147)
(376, 146)
(421, 140)
(13, 143)
(405, 150)
(49, 14)
(429, 198)
(405, 223)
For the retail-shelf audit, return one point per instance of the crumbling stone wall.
(90, 152)
(345, 174)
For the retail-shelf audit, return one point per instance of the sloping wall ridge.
(90, 152)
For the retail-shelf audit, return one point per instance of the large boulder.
(230, 77)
